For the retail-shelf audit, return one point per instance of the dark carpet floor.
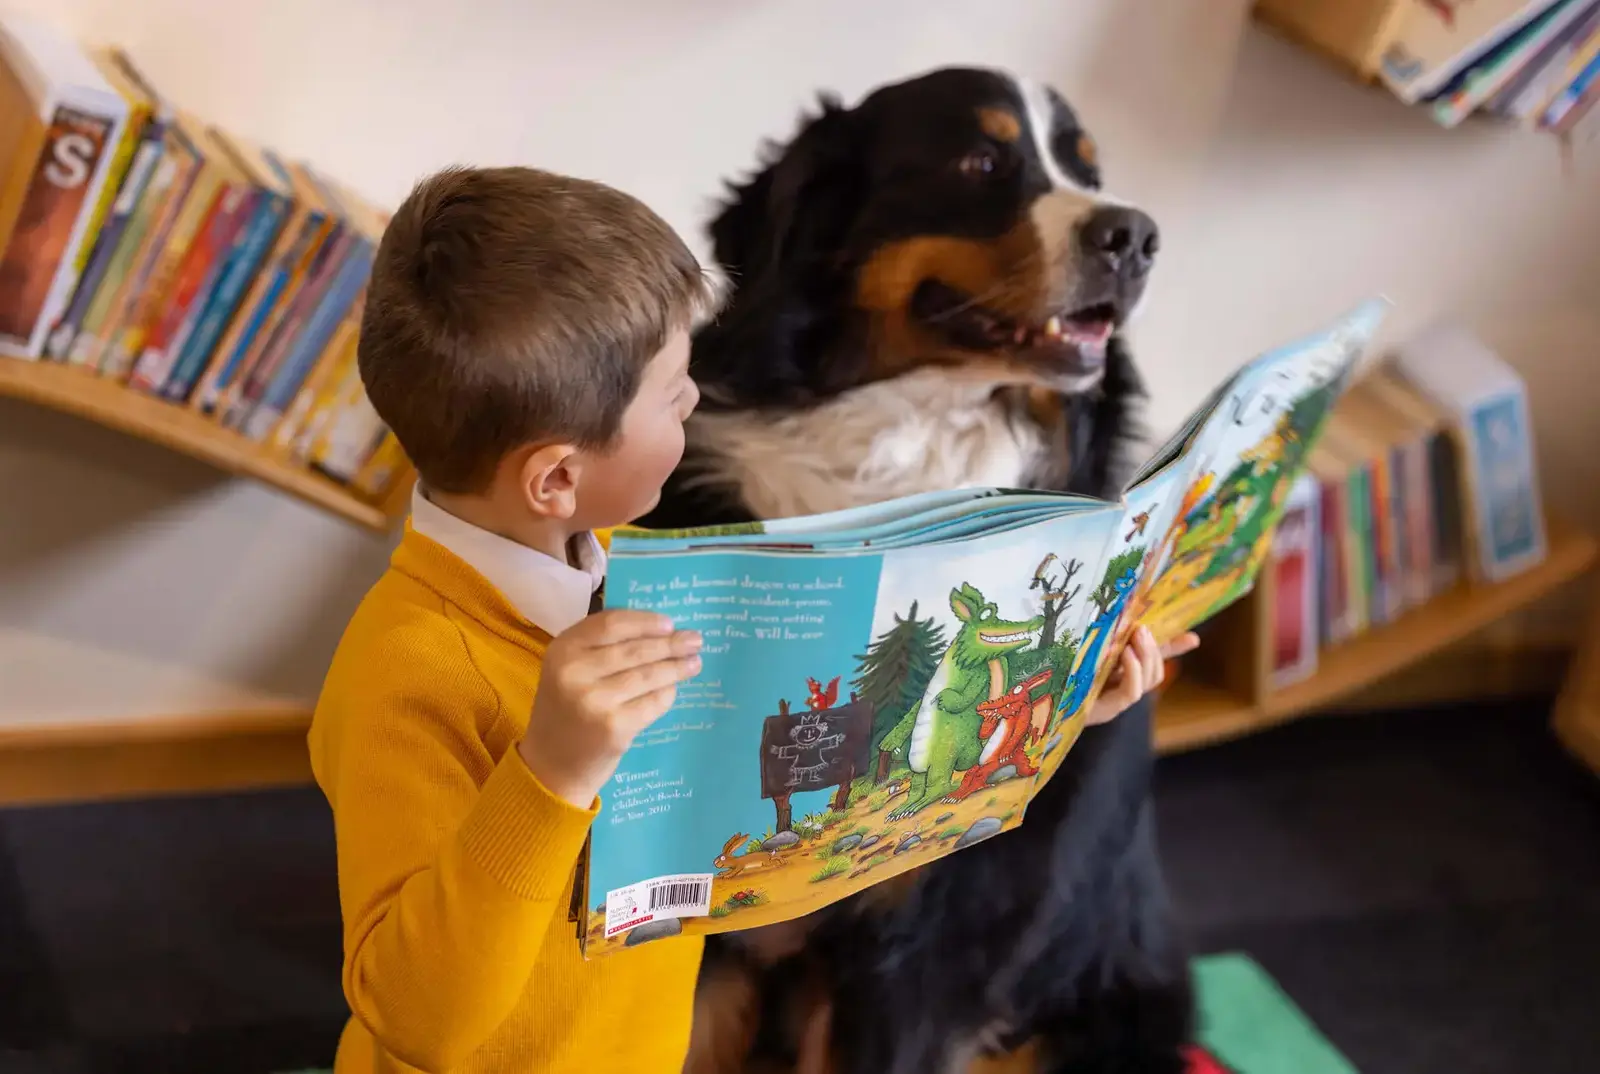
(1425, 885)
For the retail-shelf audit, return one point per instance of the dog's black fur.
(1057, 934)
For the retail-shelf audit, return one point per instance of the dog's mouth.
(1070, 341)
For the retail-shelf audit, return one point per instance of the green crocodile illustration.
(939, 737)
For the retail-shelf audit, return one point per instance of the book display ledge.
(73, 390)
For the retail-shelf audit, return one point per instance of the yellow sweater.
(455, 863)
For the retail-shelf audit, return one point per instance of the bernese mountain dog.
(928, 290)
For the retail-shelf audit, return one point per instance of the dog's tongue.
(1094, 332)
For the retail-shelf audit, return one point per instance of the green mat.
(1250, 1026)
(1247, 1025)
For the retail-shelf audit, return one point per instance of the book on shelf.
(1292, 566)
(142, 243)
(886, 685)
(1423, 479)
(1531, 62)
(1485, 402)
(61, 134)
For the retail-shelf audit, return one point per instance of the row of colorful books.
(1531, 62)
(1422, 480)
(141, 242)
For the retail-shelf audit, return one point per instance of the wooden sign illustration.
(812, 750)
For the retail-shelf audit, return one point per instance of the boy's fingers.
(647, 708)
(616, 625)
(1183, 643)
(1121, 690)
(638, 652)
(1150, 655)
(621, 689)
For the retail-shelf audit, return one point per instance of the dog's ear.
(781, 241)
(797, 207)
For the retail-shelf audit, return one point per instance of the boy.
(526, 339)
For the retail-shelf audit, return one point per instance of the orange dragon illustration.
(1006, 729)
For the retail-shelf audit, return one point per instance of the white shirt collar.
(549, 593)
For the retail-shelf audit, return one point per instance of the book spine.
(341, 389)
(1334, 605)
(378, 473)
(1400, 545)
(339, 300)
(108, 243)
(349, 440)
(305, 303)
(1358, 544)
(36, 268)
(340, 351)
(150, 303)
(253, 308)
(119, 159)
(1568, 97)
(196, 274)
(1421, 520)
(250, 247)
(147, 232)
(1535, 81)
(1448, 516)
(222, 392)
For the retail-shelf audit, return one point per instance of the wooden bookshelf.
(85, 394)
(73, 727)
(1197, 712)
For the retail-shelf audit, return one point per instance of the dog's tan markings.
(726, 1010)
(1000, 124)
(1025, 1060)
(1045, 406)
(1005, 275)
(1088, 152)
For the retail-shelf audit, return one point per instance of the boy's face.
(622, 483)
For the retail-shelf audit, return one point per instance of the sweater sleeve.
(450, 864)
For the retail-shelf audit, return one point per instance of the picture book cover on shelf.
(889, 684)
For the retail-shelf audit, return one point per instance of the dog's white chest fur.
(921, 432)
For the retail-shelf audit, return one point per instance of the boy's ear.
(547, 478)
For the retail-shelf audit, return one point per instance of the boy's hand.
(605, 680)
(1140, 669)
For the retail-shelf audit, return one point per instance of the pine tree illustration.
(896, 668)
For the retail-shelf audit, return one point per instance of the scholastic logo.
(626, 925)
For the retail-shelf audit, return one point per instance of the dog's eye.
(980, 163)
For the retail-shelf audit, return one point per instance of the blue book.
(296, 365)
(886, 685)
(235, 269)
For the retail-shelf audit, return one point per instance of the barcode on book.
(685, 895)
(679, 895)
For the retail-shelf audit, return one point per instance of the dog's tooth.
(1020, 335)
(1052, 327)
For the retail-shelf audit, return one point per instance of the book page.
(1244, 459)
(1118, 596)
(857, 716)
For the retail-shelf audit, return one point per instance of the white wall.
(1284, 193)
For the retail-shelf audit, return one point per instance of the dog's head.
(955, 219)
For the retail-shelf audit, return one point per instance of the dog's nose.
(1122, 237)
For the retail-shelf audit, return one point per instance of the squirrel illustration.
(732, 864)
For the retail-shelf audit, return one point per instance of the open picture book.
(889, 684)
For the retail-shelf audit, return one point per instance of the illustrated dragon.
(1007, 728)
(940, 735)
